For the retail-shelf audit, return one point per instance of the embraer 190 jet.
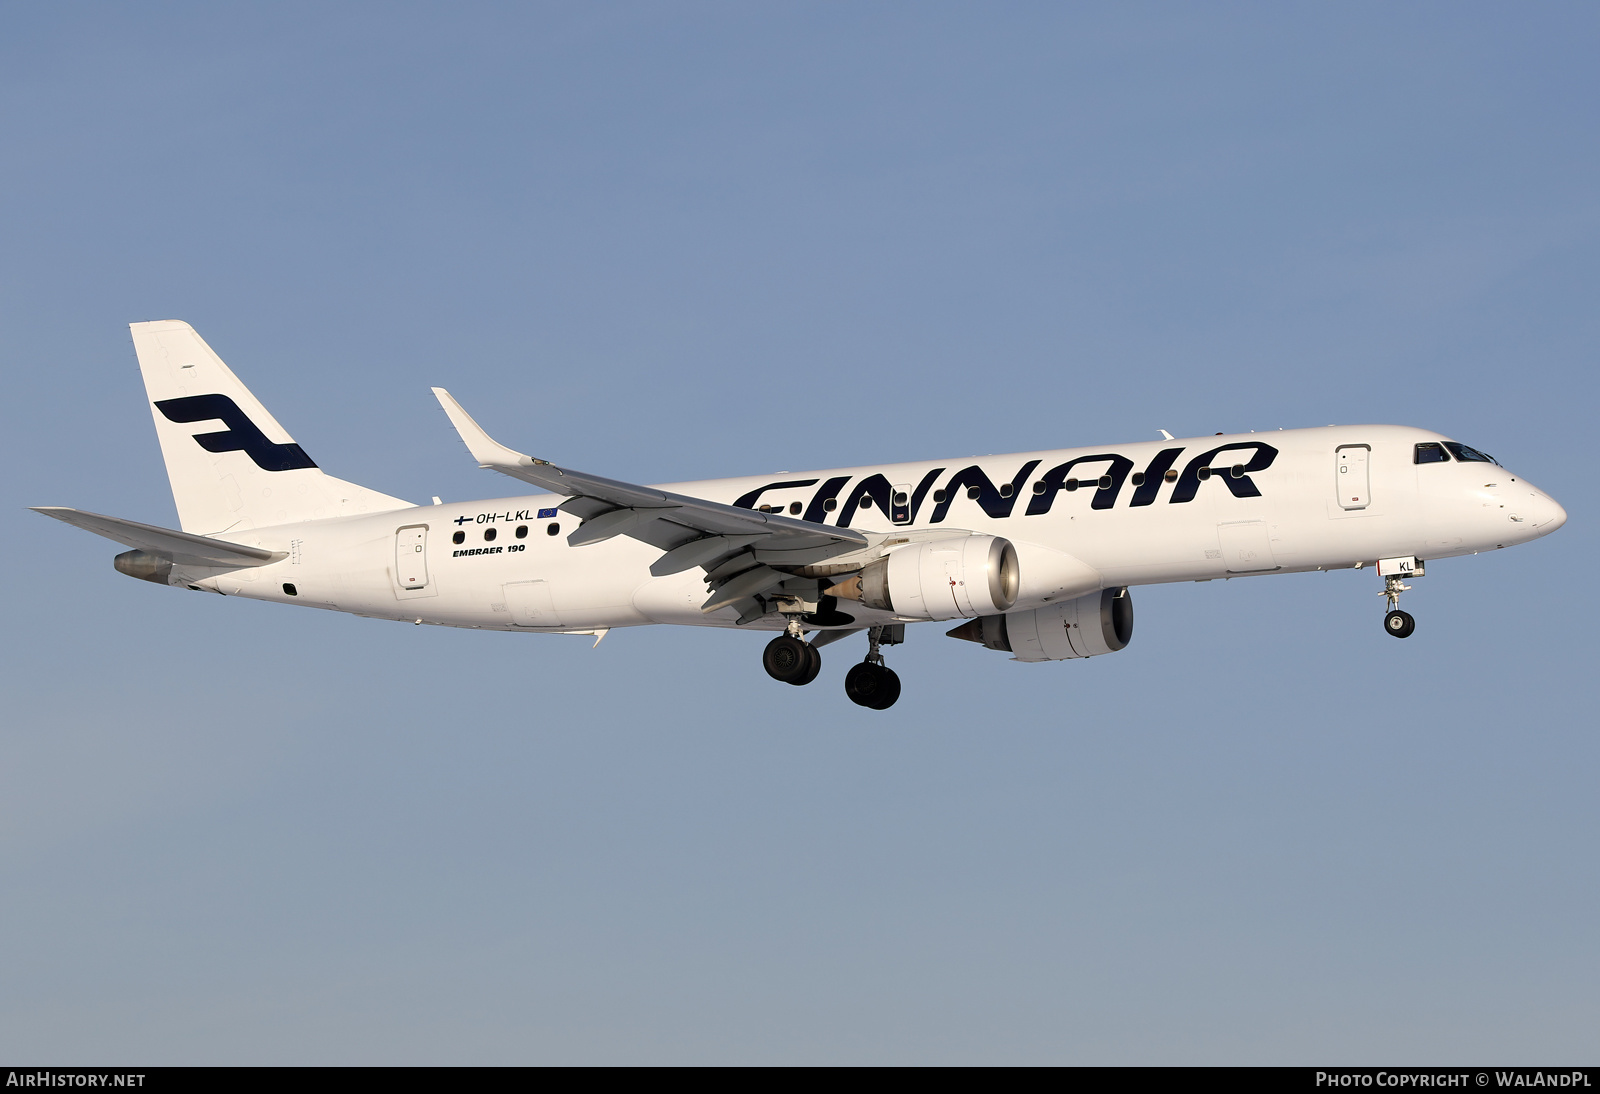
(1034, 552)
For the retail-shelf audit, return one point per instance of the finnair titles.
(1034, 553)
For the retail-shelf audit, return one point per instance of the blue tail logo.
(242, 435)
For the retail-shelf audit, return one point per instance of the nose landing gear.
(1394, 571)
(873, 684)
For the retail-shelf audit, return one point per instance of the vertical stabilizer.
(232, 466)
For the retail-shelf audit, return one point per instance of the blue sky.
(644, 240)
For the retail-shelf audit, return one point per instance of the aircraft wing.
(182, 547)
(734, 545)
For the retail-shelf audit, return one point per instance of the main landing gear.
(793, 660)
(789, 657)
(873, 684)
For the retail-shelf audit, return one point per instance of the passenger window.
(938, 497)
(1138, 478)
(1171, 476)
(1431, 452)
(794, 508)
(899, 498)
(974, 492)
(459, 537)
(1467, 455)
(522, 531)
(1005, 490)
(830, 505)
(553, 530)
(289, 589)
(489, 534)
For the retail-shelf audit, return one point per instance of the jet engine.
(939, 579)
(1087, 626)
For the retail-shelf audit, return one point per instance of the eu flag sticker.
(546, 514)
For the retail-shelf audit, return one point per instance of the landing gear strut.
(1394, 571)
(873, 684)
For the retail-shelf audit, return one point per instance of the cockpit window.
(1469, 455)
(1432, 452)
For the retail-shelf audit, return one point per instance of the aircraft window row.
(794, 508)
(489, 534)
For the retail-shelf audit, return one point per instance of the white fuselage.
(1327, 498)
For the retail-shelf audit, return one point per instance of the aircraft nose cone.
(1546, 513)
(1558, 516)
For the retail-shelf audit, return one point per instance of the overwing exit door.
(900, 504)
(1351, 478)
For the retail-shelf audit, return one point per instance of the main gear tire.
(814, 659)
(873, 686)
(791, 660)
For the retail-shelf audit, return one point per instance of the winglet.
(485, 449)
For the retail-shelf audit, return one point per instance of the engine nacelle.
(940, 579)
(1090, 625)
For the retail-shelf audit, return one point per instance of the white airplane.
(1035, 551)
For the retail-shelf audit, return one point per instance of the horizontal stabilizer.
(182, 547)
